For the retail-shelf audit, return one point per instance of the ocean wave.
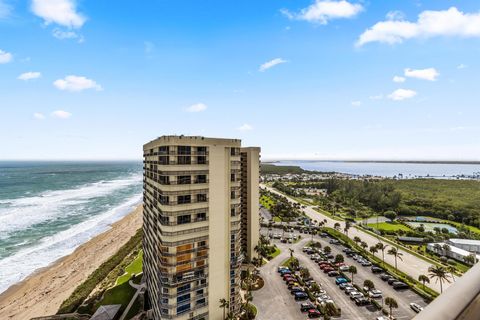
(23, 213)
(17, 267)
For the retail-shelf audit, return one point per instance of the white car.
(375, 294)
(344, 268)
(356, 294)
(415, 307)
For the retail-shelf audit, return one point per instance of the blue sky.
(303, 79)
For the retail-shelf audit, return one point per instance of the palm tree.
(452, 270)
(352, 270)
(364, 246)
(336, 226)
(438, 248)
(446, 249)
(225, 305)
(423, 279)
(397, 254)
(470, 259)
(368, 284)
(347, 226)
(357, 239)
(230, 316)
(382, 247)
(373, 250)
(291, 252)
(440, 273)
(391, 303)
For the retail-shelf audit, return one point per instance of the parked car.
(333, 241)
(345, 285)
(296, 289)
(349, 290)
(398, 285)
(375, 294)
(344, 268)
(284, 272)
(333, 273)
(385, 277)
(330, 256)
(356, 294)
(361, 301)
(282, 268)
(314, 313)
(366, 263)
(304, 307)
(376, 269)
(328, 269)
(300, 296)
(416, 307)
(323, 235)
(340, 280)
(391, 281)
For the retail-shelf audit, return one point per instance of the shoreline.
(42, 292)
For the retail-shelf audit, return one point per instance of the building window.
(202, 150)
(232, 195)
(184, 199)
(202, 160)
(164, 199)
(202, 244)
(183, 309)
(183, 288)
(163, 160)
(185, 297)
(184, 160)
(164, 179)
(201, 197)
(232, 177)
(185, 150)
(163, 150)
(184, 219)
(200, 302)
(184, 179)
(202, 178)
(201, 216)
(232, 212)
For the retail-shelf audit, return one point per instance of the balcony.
(461, 301)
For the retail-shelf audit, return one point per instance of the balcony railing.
(461, 301)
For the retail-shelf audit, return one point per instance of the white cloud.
(323, 11)
(398, 79)
(29, 76)
(430, 74)
(61, 12)
(5, 57)
(62, 34)
(60, 114)
(462, 66)
(245, 127)
(395, 15)
(5, 10)
(39, 116)
(270, 64)
(451, 22)
(376, 97)
(76, 83)
(402, 94)
(198, 107)
(356, 103)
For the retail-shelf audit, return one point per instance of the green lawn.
(276, 253)
(277, 219)
(121, 294)
(266, 202)
(133, 268)
(389, 226)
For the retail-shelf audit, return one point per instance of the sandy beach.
(43, 292)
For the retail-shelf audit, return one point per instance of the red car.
(314, 313)
(326, 265)
(286, 278)
(327, 270)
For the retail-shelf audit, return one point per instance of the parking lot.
(275, 301)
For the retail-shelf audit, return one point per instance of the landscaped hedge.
(84, 289)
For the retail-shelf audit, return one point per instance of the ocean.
(391, 169)
(48, 209)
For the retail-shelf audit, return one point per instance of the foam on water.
(22, 213)
(18, 266)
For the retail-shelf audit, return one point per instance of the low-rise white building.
(454, 252)
(465, 244)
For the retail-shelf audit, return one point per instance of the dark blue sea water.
(391, 169)
(47, 209)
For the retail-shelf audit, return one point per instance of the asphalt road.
(411, 264)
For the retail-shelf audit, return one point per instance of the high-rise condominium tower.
(200, 222)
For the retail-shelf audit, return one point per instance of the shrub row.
(83, 290)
